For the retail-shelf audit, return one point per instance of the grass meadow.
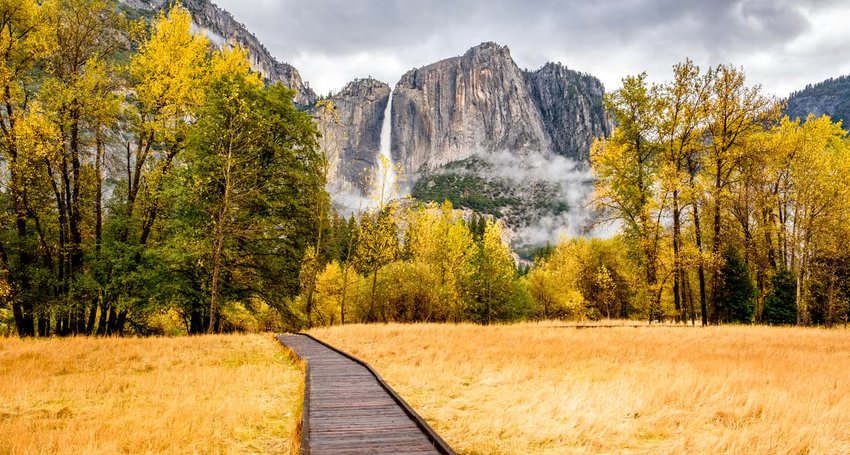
(189, 395)
(542, 388)
(516, 389)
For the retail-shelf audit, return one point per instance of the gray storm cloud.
(782, 44)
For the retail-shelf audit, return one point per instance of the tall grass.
(210, 394)
(533, 388)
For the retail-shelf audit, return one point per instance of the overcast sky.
(782, 44)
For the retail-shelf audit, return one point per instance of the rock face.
(572, 109)
(360, 105)
(452, 109)
(221, 28)
(830, 97)
(482, 102)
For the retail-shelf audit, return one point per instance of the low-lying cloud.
(569, 182)
(574, 183)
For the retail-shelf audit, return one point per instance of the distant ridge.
(830, 97)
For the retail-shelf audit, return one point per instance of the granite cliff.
(477, 103)
(482, 102)
(483, 133)
(457, 107)
(360, 106)
(570, 104)
(220, 27)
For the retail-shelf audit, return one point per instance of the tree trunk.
(349, 251)
(98, 225)
(372, 300)
(102, 321)
(22, 306)
(830, 300)
(700, 266)
(196, 322)
(112, 321)
(216, 272)
(688, 298)
(74, 217)
(651, 280)
(311, 280)
(20, 321)
(799, 294)
(119, 323)
(344, 292)
(677, 267)
(311, 284)
(802, 271)
(92, 315)
(80, 316)
(715, 250)
(220, 233)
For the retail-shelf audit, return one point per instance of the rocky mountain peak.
(365, 87)
(484, 55)
(489, 50)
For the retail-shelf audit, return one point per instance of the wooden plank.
(349, 409)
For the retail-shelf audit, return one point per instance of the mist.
(571, 182)
(574, 181)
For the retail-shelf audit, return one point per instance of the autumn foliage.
(712, 188)
(155, 183)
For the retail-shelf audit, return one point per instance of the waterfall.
(384, 184)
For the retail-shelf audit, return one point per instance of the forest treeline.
(419, 263)
(151, 182)
(414, 262)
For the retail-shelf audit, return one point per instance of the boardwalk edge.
(432, 435)
(305, 407)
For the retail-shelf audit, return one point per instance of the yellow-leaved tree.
(680, 124)
(438, 237)
(626, 167)
(377, 246)
(167, 75)
(330, 141)
(819, 185)
(492, 284)
(24, 40)
(735, 113)
(80, 89)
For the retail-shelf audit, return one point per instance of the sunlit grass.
(210, 394)
(536, 388)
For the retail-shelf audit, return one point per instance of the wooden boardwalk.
(349, 409)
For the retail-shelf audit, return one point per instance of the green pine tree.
(736, 293)
(780, 307)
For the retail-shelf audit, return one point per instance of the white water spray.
(384, 185)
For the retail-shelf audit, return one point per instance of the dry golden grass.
(211, 394)
(533, 388)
